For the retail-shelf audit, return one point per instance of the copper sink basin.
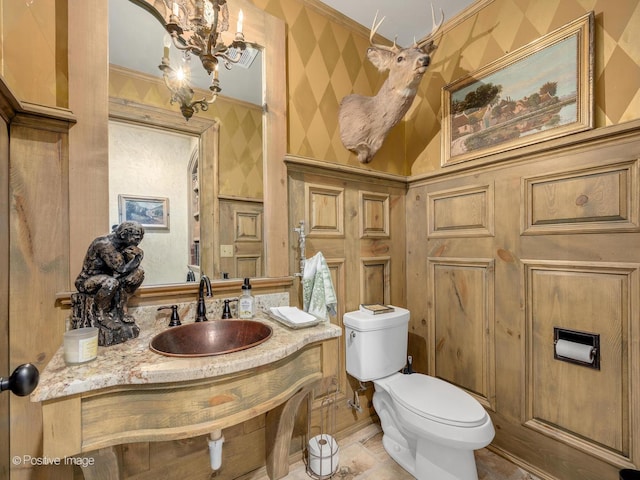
(214, 337)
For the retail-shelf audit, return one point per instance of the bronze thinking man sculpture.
(110, 274)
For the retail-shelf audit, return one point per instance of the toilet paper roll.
(574, 351)
(323, 455)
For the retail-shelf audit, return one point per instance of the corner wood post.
(280, 423)
(102, 465)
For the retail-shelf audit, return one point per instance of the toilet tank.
(376, 344)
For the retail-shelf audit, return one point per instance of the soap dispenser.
(246, 302)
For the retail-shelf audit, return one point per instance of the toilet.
(430, 427)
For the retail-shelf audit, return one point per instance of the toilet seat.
(436, 400)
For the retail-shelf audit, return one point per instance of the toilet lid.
(437, 400)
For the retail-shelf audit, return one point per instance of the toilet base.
(432, 461)
(401, 454)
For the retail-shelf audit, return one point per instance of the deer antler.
(434, 30)
(374, 29)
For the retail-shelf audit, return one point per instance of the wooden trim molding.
(9, 104)
(42, 117)
(297, 163)
(624, 132)
(191, 289)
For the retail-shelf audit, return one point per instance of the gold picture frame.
(540, 91)
(151, 212)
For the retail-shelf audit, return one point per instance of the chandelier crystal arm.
(198, 31)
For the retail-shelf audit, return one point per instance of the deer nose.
(425, 61)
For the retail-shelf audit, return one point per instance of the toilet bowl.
(430, 427)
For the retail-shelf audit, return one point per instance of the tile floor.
(363, 457)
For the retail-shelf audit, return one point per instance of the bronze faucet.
(201, 312)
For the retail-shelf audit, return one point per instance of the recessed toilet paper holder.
(581, 341)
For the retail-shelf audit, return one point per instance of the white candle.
(166, 40)
(176, 10)
(239, 26)
(80, 345)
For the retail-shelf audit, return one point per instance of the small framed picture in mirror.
(151, 212)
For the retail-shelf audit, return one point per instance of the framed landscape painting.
(151, 212)
(541, 91)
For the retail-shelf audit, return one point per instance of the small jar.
(80, 345)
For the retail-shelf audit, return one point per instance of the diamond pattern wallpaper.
(326, 61)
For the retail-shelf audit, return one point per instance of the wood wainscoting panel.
(248, 226)
(587, 200)
(375, 280)
(248, 266)
(461, 292)
(331, 200)
(461, 212)
(374, 215)
(594, 414)
(324, 210)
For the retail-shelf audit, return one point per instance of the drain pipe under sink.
(215, 449)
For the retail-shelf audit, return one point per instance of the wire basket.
(322, 457)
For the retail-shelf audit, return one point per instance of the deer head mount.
(366, 121)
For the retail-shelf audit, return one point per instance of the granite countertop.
(133, 362)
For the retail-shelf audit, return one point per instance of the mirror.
(228, 149)
(149, 182)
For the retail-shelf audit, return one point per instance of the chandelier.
(195, 28)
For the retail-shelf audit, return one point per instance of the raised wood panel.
(248, 226)
(324, 208)
(594, 414)
(586, 200)
(374, 215)
(375, 280)
(461, 212)
(462, 324)
(248, 266)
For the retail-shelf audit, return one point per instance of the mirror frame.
(268, 32)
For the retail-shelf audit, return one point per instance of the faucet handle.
(226, 310)
(175, 318)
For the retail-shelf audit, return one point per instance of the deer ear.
(429, 47)
(379, 58)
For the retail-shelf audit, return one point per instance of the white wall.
(153, 163)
